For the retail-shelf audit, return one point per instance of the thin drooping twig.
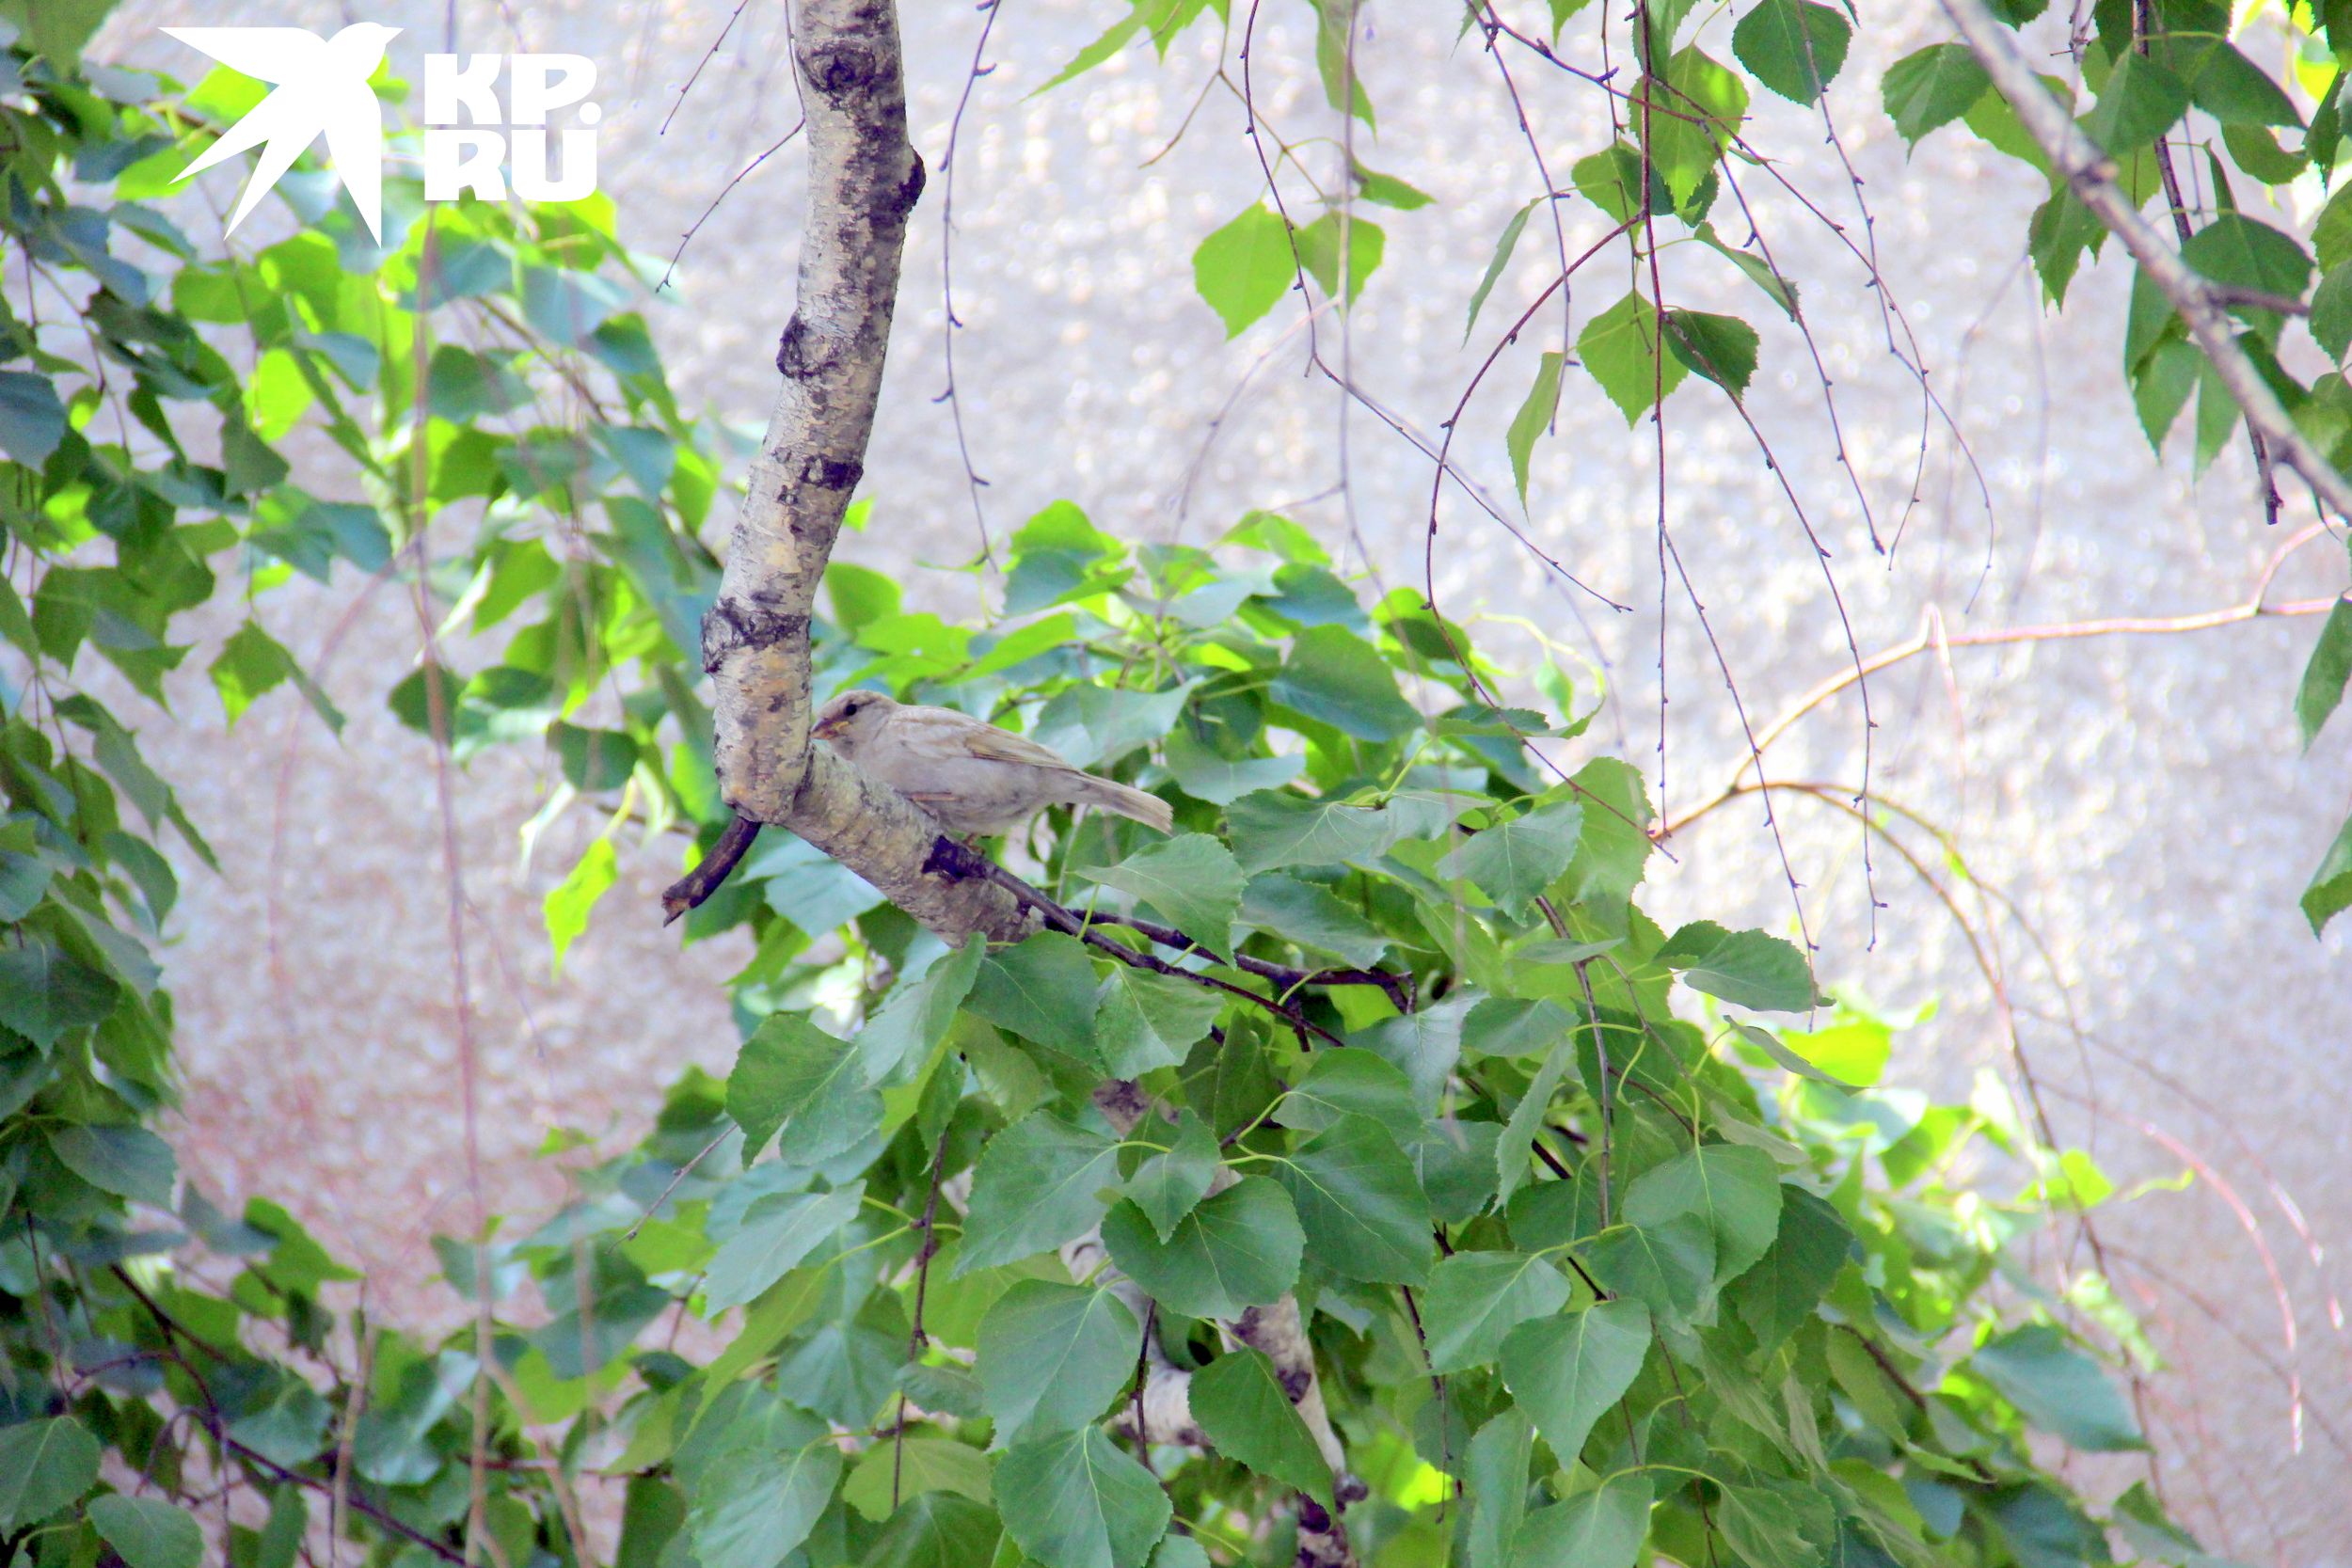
(952, 323)
(728, 189)
(2091, 174)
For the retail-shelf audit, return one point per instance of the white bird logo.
(322, 87)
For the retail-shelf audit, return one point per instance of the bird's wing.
(355, 140)
(265, 54)
(991, 744)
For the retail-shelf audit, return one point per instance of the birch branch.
(863, 177)
(2203, 304)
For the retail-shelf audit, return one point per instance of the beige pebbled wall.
(2140, 799)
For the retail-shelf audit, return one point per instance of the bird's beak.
(825, 729)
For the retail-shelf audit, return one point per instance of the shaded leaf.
(1039, 1184)
(1075, 1501)
(1239, 1404)
(1359, 1203)
(1237, 1250)
(1050, 1357)
(1567, 1370)
(1475, 1298)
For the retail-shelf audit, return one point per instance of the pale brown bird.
(976, 778)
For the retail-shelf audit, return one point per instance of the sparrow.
(973, 777)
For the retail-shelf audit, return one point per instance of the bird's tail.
(1133, 804)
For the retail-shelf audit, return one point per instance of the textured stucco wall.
(2140, 799)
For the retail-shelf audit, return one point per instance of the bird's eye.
(852, 708)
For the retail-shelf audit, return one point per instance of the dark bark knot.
(912, 191)
(802, 354)
(837, 70)
(831, 473)
(733, 624)
(954, 862)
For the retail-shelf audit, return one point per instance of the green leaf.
(1352, 1082)
(915, 1466)
(1619, 348)
(1335, 675)
(1039, 1183)
(1233, 1251)
(1475, 1298)
(793, 1076)
(1567, 1370)
(2141, 100)
(1513, 861)
(931, 1529)
(1932, 88)
(1747, 968)
(1778, 1295)
(1041, 989)
(1167, 1186)
(1496, 1472)
(778, 1231)
(1242, 268)
(1205, 775)
(43, 1466)
(32, 420)
(1793, 47)
(1241, 1407)
(1852, 1048)
(1513, 1026)
(1765, 1040)
(1319, 252)
(1611, 180)
(1517, 1142)
(753, 1505)
(128, 1162)
(593, 759)
(1273, 827)
(1533, 418)
(1603, 1528)
(148, 1532)
(2331, 313)
(1699, 108)
(1390, 191)
(44, 993)
(1359, 1203)
(1721, 348)
(1504, 243)
(1144, 1020)
(1734, 1189)
(1075, 1501)
(1780, 1522)
(2324, 677)
(2330, 890)
(2225, 84)
(1760, 272)
(916, 1017)
(1312, 916)
(1050, 1357)
(1191, 880)
(2234, 248)
(2060, 1388)
(569, 902)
